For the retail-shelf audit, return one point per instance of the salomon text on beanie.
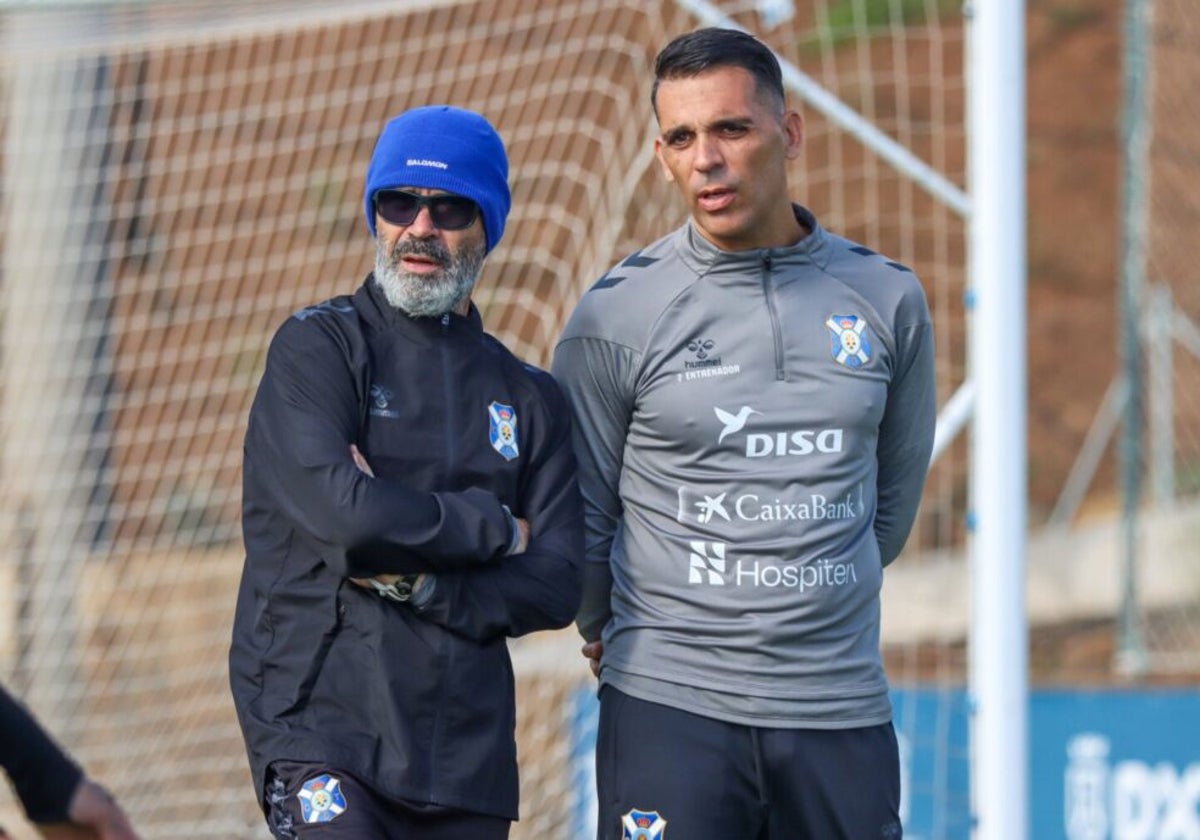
(444, 148)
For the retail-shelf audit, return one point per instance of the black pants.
(313, 800)
(663, 773)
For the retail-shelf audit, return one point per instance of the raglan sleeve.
(299, 465)
(538, 589)
(597, 376)
(43, 776)
(907, 429)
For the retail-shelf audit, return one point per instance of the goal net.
(180, 177)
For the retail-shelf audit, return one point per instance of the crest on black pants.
(643, 825)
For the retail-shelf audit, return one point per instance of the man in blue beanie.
(409, 502)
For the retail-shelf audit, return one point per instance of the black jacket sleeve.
(304, 418)
(539, 589)
(42, 774)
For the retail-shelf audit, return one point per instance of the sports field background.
(179, 177)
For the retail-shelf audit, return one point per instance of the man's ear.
(793, 129)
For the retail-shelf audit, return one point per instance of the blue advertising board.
(935, 794)
(1115, 764)
(1104, 764)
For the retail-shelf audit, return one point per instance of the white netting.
(1168, 594)
(179, 177)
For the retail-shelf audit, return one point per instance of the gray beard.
(427, 296)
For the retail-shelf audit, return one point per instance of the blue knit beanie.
(444, 148)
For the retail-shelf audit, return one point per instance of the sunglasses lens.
(398, 208)
(453, 212)
(449, 212)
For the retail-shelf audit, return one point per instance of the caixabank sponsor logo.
(709, 564)
(776, 443)
(750, 505)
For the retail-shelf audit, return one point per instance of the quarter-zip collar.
(706, 258)
(371, 302)
(760, 269)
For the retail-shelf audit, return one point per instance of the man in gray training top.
(754, 400)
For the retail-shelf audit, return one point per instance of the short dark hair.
(706, 49)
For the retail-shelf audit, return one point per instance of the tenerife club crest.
(851, 342)
(503, 430)
(321, 799)
(643, 825)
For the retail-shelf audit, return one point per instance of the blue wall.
(1104, 765)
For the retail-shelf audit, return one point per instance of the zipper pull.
(445, 321)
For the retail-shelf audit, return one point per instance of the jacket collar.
(371, 302)
(706, 258)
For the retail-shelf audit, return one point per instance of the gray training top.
(753, 431)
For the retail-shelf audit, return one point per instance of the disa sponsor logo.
(777, 444)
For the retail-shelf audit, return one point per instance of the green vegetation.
(847, 17)
(1187, 478)
(1067, 16)
(876, 13)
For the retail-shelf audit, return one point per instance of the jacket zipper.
(435, 734)
(776, 331)
(448, 395)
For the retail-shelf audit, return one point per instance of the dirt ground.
(1074, 188)
(1074, 170)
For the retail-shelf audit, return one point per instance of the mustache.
(420, 248)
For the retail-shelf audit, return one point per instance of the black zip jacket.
(416, 702)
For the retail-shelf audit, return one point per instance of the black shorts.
(313, 800)
(663, 773)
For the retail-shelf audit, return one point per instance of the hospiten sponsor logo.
(709, 562)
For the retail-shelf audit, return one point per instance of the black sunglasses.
(448, 212)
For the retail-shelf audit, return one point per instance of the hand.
(361, 462)
(523, 530)
(93, 814)
(592, 652)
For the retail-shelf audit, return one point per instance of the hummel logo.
(706, 563)
(701, 346)
(381, 400)
(733, 422)
(380, 396)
